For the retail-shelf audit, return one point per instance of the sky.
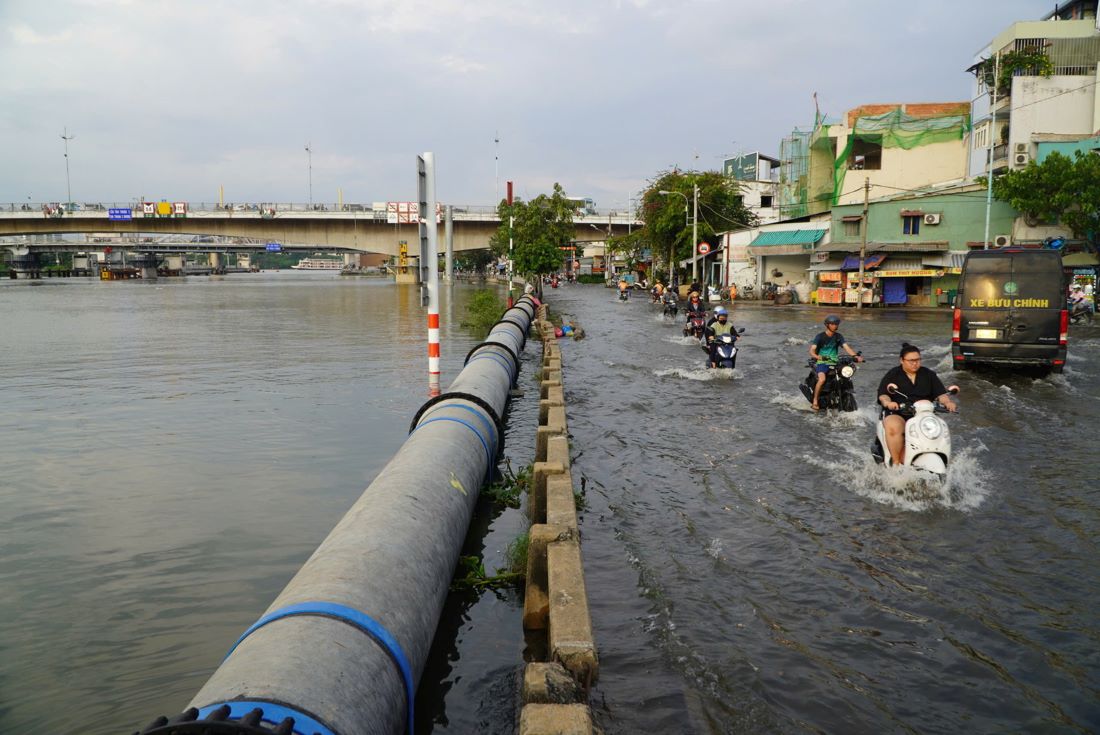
(182, 100)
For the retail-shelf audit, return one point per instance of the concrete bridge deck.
(350, 228)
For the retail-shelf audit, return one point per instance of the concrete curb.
(555, 692)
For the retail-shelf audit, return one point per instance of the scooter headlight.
(847, 371)
(931, 427)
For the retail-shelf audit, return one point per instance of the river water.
(751, 570)
(172, 452)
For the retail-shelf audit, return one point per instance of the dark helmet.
(832, 319)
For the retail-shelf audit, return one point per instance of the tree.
(475, 260)
(667, 228)
(1059, 189)
(540, 228)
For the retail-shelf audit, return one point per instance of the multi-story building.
(1049, 71)
(758, 177)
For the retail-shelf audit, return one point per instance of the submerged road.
(753, 571)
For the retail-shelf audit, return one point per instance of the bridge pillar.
(449, 239)
(146, 263)
(215, 262)
(412, 271)
(351, 260)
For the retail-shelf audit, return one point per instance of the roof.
(788, 237)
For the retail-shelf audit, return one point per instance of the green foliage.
(1059, 189)
(667, 226)
(474, 260)
(470, 575)
(508, 490)
(483, 311)
(591, 278)
(516, 554)
(1032, 60)
(540, 228)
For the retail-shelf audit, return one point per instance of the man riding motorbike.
(717, 326)
(918, 384)
(1079, 303)
(825, 348)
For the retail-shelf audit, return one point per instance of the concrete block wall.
(555, 692)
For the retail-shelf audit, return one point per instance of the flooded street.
(752, 570)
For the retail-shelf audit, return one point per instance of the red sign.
(704, 248)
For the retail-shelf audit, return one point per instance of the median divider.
(555, 692)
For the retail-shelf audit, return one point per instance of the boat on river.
(318, 264)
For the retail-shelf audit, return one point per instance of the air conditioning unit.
(1021, 147)
(932, 218)
(1002, 241)
(1020, 159)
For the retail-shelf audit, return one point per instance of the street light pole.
(695, 238)
(671, 257)
(309, 152)
(68, 187)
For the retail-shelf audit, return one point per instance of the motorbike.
(695, 324)
(671, 309)
(927, 438)
(1078, 312)
(723, 352)
(624, 295)
(838, 391)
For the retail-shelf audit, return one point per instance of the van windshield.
(1013, 280)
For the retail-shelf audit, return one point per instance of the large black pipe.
(340, 650)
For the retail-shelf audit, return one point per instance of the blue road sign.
(274, 247)
(120, 213)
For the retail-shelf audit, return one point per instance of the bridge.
(347, 228)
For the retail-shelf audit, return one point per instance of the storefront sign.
(911, 274)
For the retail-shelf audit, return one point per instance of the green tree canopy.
(540, 228)
(667, 228)
(1059, 189)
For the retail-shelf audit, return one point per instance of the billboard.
(742, 168)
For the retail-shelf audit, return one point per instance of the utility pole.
(511, 225)
(989, 146)
(863, 242)
(68, 187)
(496, 167)
(309, 152)
(695, 237)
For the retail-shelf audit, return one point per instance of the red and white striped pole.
(429, 262)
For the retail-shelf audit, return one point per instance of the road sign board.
(120, 213)
(704, 248)
(273, 247)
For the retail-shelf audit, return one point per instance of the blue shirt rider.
(825, 348)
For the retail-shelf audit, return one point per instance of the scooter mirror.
(891, 387)
(953, 389)
(741, 330)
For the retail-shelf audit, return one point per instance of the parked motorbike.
(838, 391)
(927, 438)
(696, 323)
(769, 291)
(723, 351)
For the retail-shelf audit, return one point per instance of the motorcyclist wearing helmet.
(694, 306)
(825, 349)
(717, 326)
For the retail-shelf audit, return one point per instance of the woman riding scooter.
(917, 383)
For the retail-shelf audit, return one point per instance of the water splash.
(687, 341)
(700, 374)
(714, 548)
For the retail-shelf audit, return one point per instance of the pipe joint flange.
(224, 720)
(476, 400)
(506, 348)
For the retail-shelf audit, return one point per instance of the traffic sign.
(704, 248)
(273, 247)
(120, 213)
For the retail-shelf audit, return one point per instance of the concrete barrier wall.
(555, 692)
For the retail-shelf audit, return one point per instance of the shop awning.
(851, 263)
(785, 242)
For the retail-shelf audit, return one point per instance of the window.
(866, 153)
(910, 224)
(765, 201)
(851, 228)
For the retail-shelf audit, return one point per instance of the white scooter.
(927, 438)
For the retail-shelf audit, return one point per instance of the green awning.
(788, 237)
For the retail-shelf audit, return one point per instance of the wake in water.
(700, 374)
(687, 340)
(964, 489)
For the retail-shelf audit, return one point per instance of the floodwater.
(752, 570)
(171, 452)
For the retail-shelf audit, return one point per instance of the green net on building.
(812, 170)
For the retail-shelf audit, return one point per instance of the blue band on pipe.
(489, 424)
(497, 359)
(468, 425)
(273, 714)
(352, 617)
